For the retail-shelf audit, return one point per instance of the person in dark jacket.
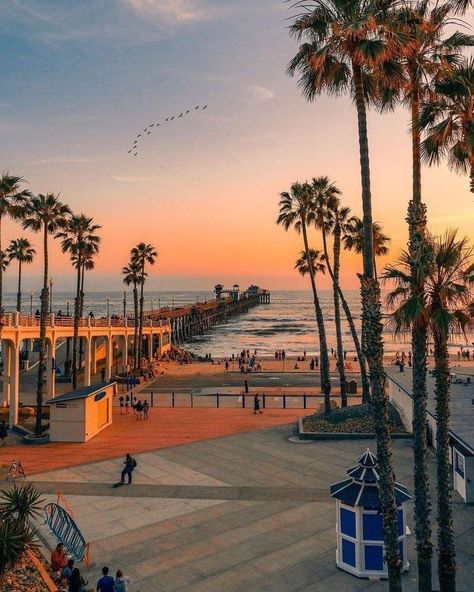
(256, 405)
(76, 582)
(130, 464)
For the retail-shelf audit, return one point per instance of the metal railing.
(18, 320)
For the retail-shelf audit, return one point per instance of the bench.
(66, 531)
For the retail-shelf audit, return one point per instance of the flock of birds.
(155, 125)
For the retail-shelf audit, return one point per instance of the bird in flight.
(148, 130)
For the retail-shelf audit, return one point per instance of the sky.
(81, 79)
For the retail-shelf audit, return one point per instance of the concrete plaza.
(247, 512)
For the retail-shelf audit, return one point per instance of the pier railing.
(18, 320)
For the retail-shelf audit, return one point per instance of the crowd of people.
(69, 579)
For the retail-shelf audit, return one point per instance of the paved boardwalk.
(165, 428)
(244, 513)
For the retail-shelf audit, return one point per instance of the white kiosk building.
(80, 415)
(359, 528)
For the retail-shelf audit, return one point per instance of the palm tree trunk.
(135, 327)
(1, 270)
(446, 552)
(18, 293)
(77, 314)
(337, 310)
(372, 345)
(140, 326)
(42, 366)
(323, 346)
(416, 219)
(81, 313)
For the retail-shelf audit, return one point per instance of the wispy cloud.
(62, 160)
(175, 11)
(133, 178)
(258, 94)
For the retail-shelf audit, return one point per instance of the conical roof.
(362, 487)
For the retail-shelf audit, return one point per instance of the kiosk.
(81, 414)
(359, 528)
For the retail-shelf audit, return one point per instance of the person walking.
(130, 465)
(146, 409)
(102, 375)
(106, 583)
(76, 582)
(121, 401)
(127, 404)
(256, 405)
(3, 431)
(121, 583)
(139, 410)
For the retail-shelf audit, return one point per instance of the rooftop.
(462, 401)
(80, 393)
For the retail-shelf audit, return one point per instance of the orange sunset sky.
(79, 82)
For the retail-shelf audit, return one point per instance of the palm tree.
(353, 238)
(47, 214)
(424, 52)
(444, 306)
(143, 253)
(78, 238)
(22, 503)
(132, 277)
(314, 258)
(12, 198)
(345, 42)
(326, 196)
(448, 120)
(22, 251)
(297, 210)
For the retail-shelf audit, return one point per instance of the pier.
(196, 319)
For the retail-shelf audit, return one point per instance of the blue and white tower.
(359, 528)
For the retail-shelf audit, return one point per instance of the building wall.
(67, 421)
(98, 413)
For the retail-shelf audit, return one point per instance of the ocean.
(287, 323)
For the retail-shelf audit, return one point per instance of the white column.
(125, 352)
(150, 346)
(50, 373)
(87, 361)
(14, 384)
(93, 355)
(108, 358)
(6, 357)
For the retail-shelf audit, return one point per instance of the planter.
(35, 440)
(303, 435)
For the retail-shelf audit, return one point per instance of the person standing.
(58, 558)
(146, 408)
(106, 582)
(3, 431)
(256, 405)
(102, 375)
(139, 410)
(130, 464)
(121, 400)
(76, 582)
(121, 583)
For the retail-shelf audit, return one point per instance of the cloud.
(133, 179)
(175, 11)
(259, 94)
(62, 160)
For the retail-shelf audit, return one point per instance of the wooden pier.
(196, 319)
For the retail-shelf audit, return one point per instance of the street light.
(31, 304)
(108, 306)
(124, 304)
(51, 295)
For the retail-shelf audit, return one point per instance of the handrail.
(66, 530)
(18, 320)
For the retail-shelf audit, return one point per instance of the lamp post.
(116, 356)
(51, 295)
(108, 306)
(31, 304)
(124, 304)
(152, 308)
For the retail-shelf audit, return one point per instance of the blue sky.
(79, 79)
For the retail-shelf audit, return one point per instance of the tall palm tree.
(345, 42)
(353, 239)
(448, 120)
(143, 254)
(326, 196)
(12, 198)
(132, 277)
(425, 51)
(297, 210)
(44, 213)
(80, 240)
(445, 306)
(22, 251)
